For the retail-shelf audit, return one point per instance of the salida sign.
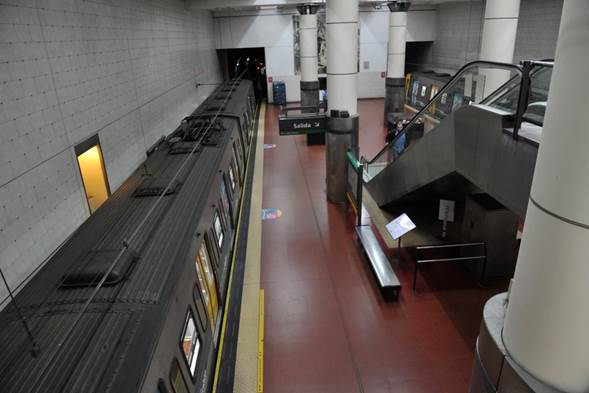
(314, 124)
(302, 124)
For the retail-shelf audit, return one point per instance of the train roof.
(132, 301)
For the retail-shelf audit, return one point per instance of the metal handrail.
(542, 63)
(483, 257)
(449, 245)
(459, 73)
(451, 259)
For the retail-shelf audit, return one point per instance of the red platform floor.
(327, 326)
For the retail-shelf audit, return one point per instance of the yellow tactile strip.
(248, 376)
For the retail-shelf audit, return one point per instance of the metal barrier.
(482, 256)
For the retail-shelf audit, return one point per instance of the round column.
(498, 41)
(395, 82)
(309, 66)
(342, 97)
(547, 322)
(308, 43)
(342, 55)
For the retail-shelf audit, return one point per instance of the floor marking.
(233, 258)
(261, 344)
(248, 373)
(271, 213)
(326, 260)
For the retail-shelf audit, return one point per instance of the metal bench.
(383, 271)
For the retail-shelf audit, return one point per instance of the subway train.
(133, 301)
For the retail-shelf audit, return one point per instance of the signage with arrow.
(302, 124)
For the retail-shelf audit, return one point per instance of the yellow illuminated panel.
(205, 267)
(202, 286)
(93, 177)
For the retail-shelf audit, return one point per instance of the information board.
(400, 226)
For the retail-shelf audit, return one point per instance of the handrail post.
(524, 96)
(359, 174)
(484, 269)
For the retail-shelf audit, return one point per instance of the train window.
(246, 121)
(190, 343)
(239, 157)
(236, 172)
(203, 261)
(218, 230)
(211, 250)
(232, 178)
(225, 201)
(199, 303)
(224, 217)
(176, 378)
(241, 148)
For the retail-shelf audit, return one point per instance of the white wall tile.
(70, 69)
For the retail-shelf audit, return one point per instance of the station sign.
(300, 125)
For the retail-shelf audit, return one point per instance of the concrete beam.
(216, 4)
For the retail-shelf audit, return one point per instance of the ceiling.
(236, 5)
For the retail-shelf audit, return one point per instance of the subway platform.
(326, 325)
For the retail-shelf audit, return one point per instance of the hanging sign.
(297, 125)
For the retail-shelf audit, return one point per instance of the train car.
(133, 301)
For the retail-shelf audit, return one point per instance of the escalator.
(479, 133)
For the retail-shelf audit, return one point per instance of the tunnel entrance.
(249, 61)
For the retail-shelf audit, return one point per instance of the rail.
(482, 256)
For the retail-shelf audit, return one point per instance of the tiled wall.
(274, 32)
(537, 29)
(458, 34)
(69, 69)
(459, 29)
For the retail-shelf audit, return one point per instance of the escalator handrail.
(457, 75)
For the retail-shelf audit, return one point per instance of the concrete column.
(309, 66)
(498, 42)
(342, 70)
(547, 323)
(308, 42)
(395, 82)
